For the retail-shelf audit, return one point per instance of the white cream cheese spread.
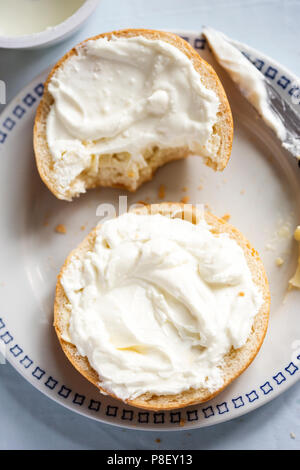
(122, 97)
(157, 304)
(250, 80)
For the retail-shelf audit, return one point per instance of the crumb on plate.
(162, 191)
(284, 231)
(60, 228)
(226, 217)
(279, 261)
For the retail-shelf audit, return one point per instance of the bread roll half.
(235, 362)
(113, 172)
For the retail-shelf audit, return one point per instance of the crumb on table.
(60, 228)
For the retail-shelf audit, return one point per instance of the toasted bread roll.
(98, 132)
(235, 361)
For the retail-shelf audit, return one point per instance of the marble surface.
(29, 420)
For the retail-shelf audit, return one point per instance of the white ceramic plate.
(259, 188)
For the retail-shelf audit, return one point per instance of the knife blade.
(258, 89)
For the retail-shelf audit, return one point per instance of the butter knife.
(259, 90)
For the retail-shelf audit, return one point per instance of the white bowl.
(51, 35)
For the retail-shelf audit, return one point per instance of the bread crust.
(236, 361)
(223, 127)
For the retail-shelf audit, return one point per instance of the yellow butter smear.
(295, 280)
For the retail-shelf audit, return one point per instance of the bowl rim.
(48, 36)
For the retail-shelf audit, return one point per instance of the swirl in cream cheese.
(157, 304)
(126, 96)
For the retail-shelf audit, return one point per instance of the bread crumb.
(158, 441)
(269, 247)
(284, 231)
(162, 191)
(185, 199)
(60, 228)
(241, 294)
(46, 218)
(293, 436)
(182, 422)
(297, 234)
(226, 217)
(279, 261)
(184, 189)
(82, 227)
(200, 187)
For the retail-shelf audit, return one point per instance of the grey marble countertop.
(29, 420)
